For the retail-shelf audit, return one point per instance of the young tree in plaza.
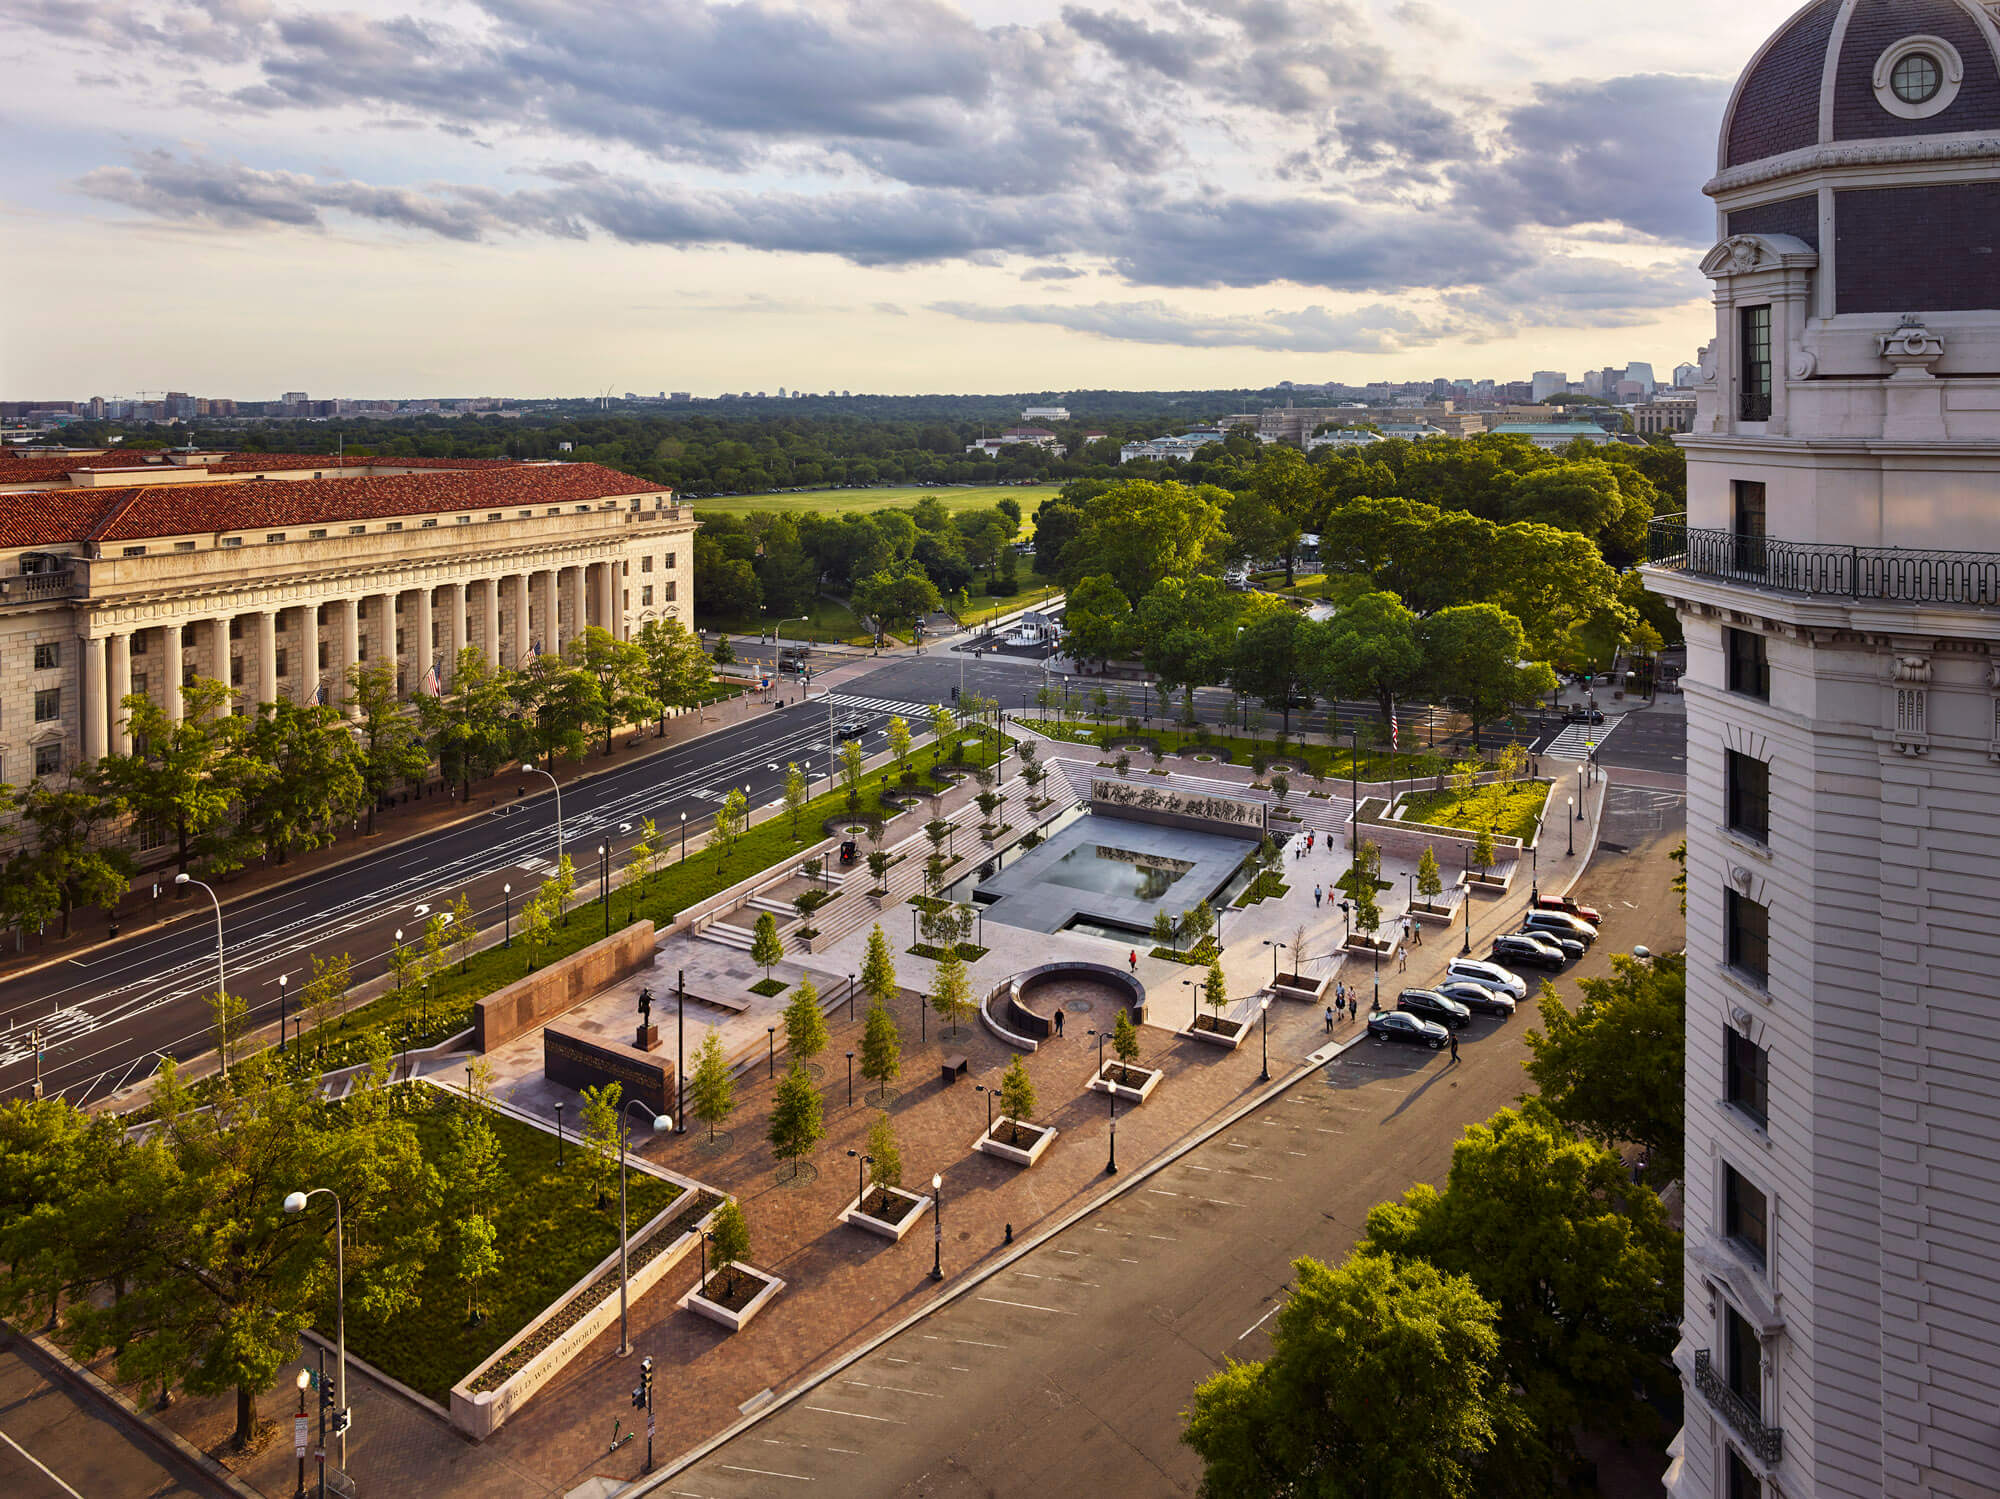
(851, 760)
(475, 1257)
(1017, 1093)
(796, 794)
(320, 998)
(797, 1122)
(464, 930)
(711, 1090)
(1318, 1416)
(391, 749)
(899, 741)
(1215, 992)
(806, 1035)
(1125, 1038)
(1166, 931)
(878, 968)
(881, 1047)
(640, 860)
(730, 819)
(1430, 882)
(951, 988)
(536, 928)
(767, 948)
(598, 1118)
(176, 779)
(883, 1151)
(729, 1237)
(944, 723)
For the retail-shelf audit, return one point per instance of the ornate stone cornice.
(1967, 146)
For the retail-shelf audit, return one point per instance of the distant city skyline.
(250, 198)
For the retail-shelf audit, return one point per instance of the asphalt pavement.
(52, 1447)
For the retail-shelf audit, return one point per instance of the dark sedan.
(1527, 952)
(1478, 997)
(1400, 1025)
(1431, 1005)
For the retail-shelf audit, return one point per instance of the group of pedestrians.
(1345, 1000)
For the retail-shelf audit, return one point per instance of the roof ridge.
(117, 503)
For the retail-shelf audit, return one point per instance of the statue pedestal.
(649, 1038)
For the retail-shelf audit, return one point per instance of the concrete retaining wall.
(499, 1017)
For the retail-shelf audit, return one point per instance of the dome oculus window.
(1918, 77)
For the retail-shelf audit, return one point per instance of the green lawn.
(984, 606)
(832, 623)
(549, 1233)
(1511, 811)
(840, 501)
(1332, 764)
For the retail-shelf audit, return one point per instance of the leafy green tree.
(899, 741)
(724, 653)
(797, 1123)
(602, 1146)
(796, 794)
(1185, 628)
(177, 777)
(729, 1236)
(1384, 1380)
(1430, 881)
(297, 776)
(951, 988)
(1165, 929)
(903, 596)
(1613, 1068)
(732, 817)
(392, 750)
(1125, 1038)
(621, 675)
(640, 861)
(1274, 658)
(1583, 1266)
(1680, 886)
(711, 1090)
(806, 1034)
(878, 968)
(944, 724)
(1215, 991)
(851, 760)
(881, 1047)
(1369, 650)
(63, 864)
(322, 994)
(767, 948)
(466, 726)
(887, 1170)
(475, 1257)
(1097, 620)
(677, 670)
(1017, 1093)
(1475, 655)
(1482, 847)
(557, 703)
(1139, 531)
(536, 929)
(464, 930)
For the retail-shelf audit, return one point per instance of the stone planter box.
(1479, 884)
(1019, 1155)
(1298, 986)
(1227, 1040)
(914, 1210)
(1126, 1091)
(1423, 910)
(1359, 943)
(735, 1321)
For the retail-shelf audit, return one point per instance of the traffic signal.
(954, 694)
(642, 1396)
(342, 1420)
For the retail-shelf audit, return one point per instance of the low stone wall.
(499, 1017)
(579, 1060)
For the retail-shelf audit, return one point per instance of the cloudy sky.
(239, 197)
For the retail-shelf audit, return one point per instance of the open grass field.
(838, 501)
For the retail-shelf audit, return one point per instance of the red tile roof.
(31, 468)
(45, 517)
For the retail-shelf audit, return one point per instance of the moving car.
(1432, 1005)
(1577, 713)
(1560, 924)
(1568, 903)
(1527, 952)
(1401, 1025)
(1480, 997)
(1490, 974)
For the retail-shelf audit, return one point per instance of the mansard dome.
(1842, 71)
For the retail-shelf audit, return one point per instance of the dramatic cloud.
(1311, 330)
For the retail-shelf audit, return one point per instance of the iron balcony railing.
(1767, 1442)
(1901, 574)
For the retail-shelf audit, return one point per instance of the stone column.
(422, 637)
(121, 687)
(92, 710)
(609, 614)
(218, 651)
(541, 637)
(516, 585)
(451, 639)
(346, 652)
(572, 595)
(170, 661)
(267, 655)
(489, 620)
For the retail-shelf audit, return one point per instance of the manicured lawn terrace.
(843, 501)
(1332, 763)
(1511, 811)
(549, 1234)
(832, 623)
(410, 1019)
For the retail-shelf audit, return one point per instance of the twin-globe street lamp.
(661, 1124)
(221, 980)
(295, 1202)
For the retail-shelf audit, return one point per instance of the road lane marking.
(40, 1464)
(1027, 1306)
(969, 1342)
(892, 1389)
(1162, 1192)
(764, 1472)
(1258, 1323)
(856, 1416)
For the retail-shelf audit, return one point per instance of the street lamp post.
(1111, 1160)
(990, 1094)
(284, 980)
(684, 837)
(221, 979)
(850, 1079)
(604, 883)
(1274, 945)
(1265, 1008)
(860, 1184)
(304, 1379)
(1579, 786)
(507, 912)
(1572, 826)
(1467, 883)
(559, 1134)
(295, 1202)
(771, 1052)
(937, 1227)
(528, 768)
(660, 1123)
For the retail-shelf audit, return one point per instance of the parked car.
(1401, 1025)
(1577, 713)
(1481, 997)
(1570, 947)
(1432, 1005)
(1527, 952)
(1490, 974)
(1562, 924)
(1568, 903)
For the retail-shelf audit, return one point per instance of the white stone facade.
(1842, 1325)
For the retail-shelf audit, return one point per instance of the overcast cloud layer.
(1117, 164)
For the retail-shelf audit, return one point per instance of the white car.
(1492, 975)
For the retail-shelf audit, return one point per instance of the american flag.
(538, 645)
(1393, 741)
(431, 684)
(318, 698)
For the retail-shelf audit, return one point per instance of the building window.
(48, 759)
(361, 650)
(1747, 937)
(139, 683)
(1916, 78)
(1742, 1483)
(399, 642)
(465, 520)
(48, 656)
(670, 562)
(274, 536)
(132, 552)
(493, 515)
(322, 655)
(235, 627)
(399, 603)
(1742, 1360)
(645, 564)
(1746, 1075)
(141, 642)
(1909, 710)
(394, 525)
(231, 541)
(525, 514)
(184, 546)
(357, 530)
(235, 671)
(284, 662)
(670, 592)
(1747, 792)
(1744, 1222)
(1747, 507)
(48, 705)
(1749, 663)
(187, 636)
(430, 524)
(1754, 331)
(317, 533)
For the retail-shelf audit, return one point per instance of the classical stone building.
(1838, 574)
(277, 574)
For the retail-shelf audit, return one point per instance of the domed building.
(1838, 575)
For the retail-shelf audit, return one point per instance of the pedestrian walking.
(1454, 1043)
(1310, 835)
(1329, 1020)
(1402, 960)
(1318, 891)
(1340, 995)
(1133, 958)
(1059, 1022)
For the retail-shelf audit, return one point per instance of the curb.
(1314, 1061)
(182, 1456)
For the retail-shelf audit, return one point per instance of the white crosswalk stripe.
(1575, 741)
(876, 704)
